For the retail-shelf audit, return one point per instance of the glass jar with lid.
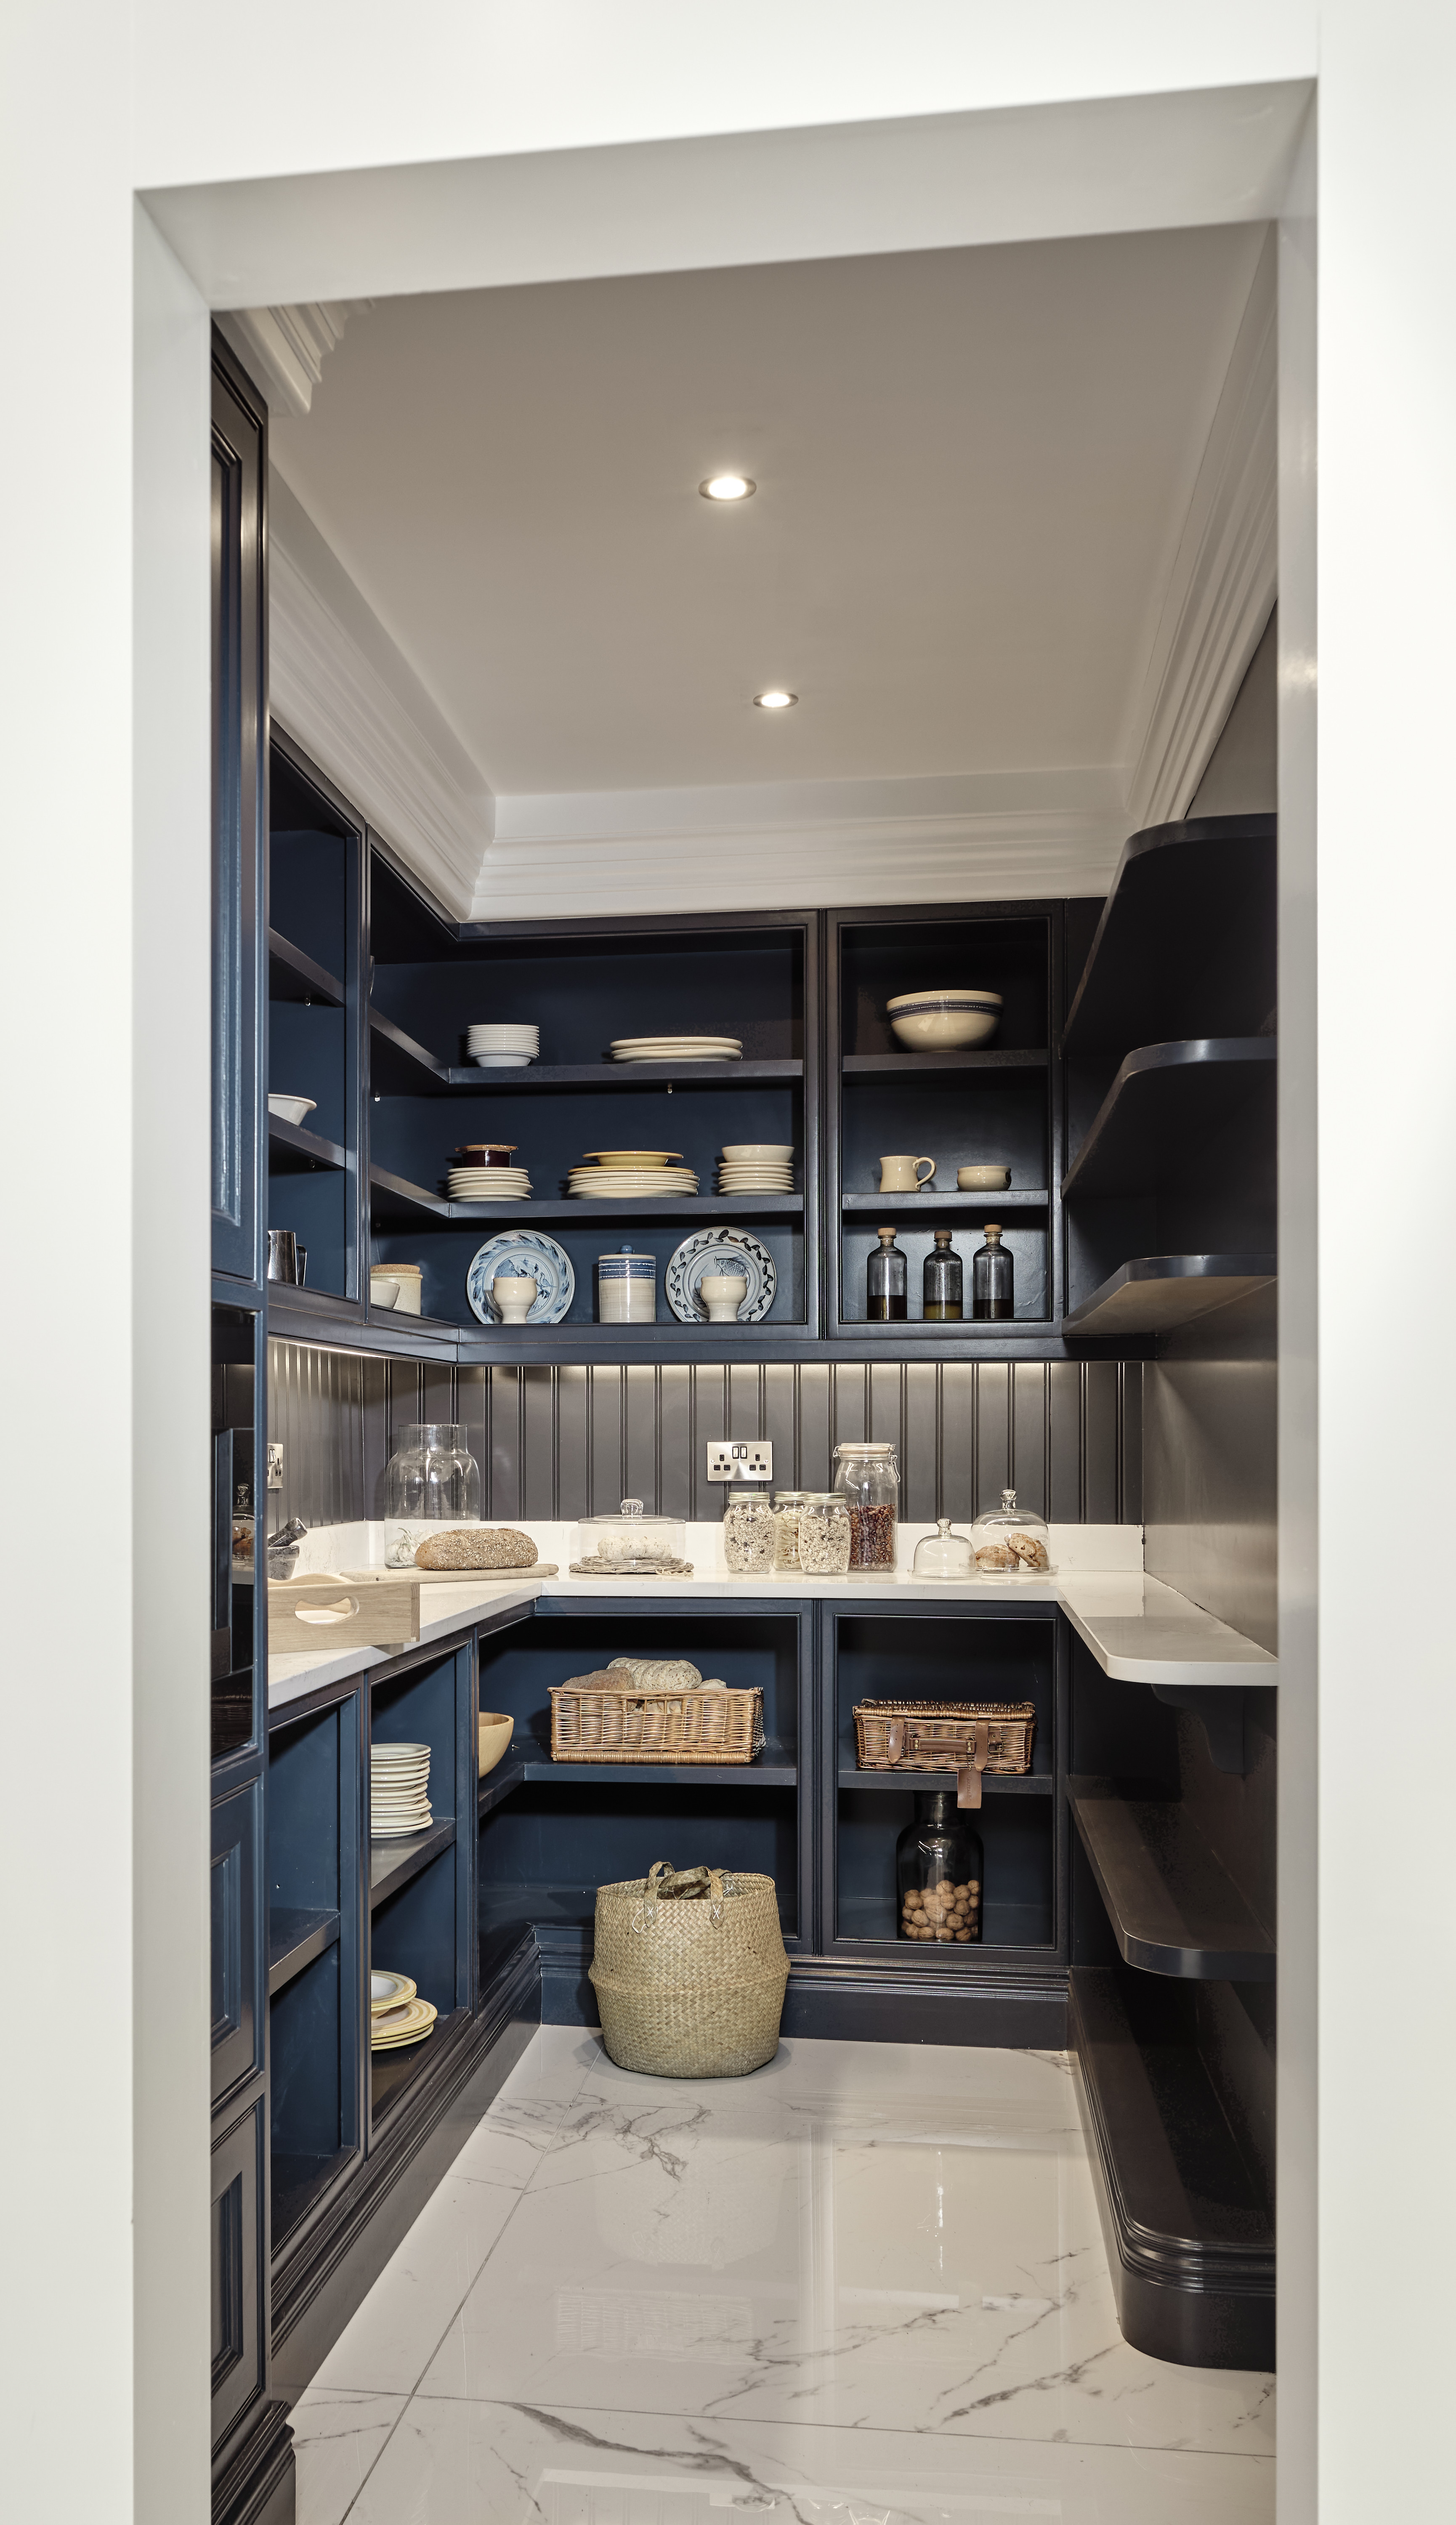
(939, 1873)
(787, 1529)
(634, 1542)
(942, 1554)
(431, 1479)
(749, 1529)
(1011, 1542)
(867, 1473)
(824, 1534)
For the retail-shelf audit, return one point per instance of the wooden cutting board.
(462, 1577)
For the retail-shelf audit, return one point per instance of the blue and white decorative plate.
(525, 1255)
(713, 1249)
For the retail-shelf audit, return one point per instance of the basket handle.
(968, 1776)
(659, 1867)
(714, 1875)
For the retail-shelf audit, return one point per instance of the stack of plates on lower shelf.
(487, 1183)
(398, 1791)
(396, 2014)
(757, 1165)
(677, 1047)
(632, 1174)
(503, 1047)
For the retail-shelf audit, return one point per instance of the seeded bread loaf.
(476, 1547)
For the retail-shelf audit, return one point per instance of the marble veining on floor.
(866, 2285)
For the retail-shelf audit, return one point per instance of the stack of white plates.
(656, 1182)
(398, 1791)
(397, 2016)
(757, 1165)
(488, 1183)
(503, 1047)
(677, 1047)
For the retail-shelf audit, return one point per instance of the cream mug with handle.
(903, 1174)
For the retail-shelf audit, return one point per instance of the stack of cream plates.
(398, 1791)
(487, 1183)
(632, 1174)
(757, 1165)
(677, 1047)
(396, 2014)
(503, 1047)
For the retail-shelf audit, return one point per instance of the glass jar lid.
(1011, 1540)
(824, 1499)
(864, 1447)
(790, 1498)
(942, 1554)
(631, 1518)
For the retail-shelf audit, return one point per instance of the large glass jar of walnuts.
(940, 1873)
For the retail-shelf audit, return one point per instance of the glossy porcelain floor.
(865, 2286)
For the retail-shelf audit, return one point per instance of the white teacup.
(903, 1174)
(514, 1297)
(984, 1178)
(722, 1292)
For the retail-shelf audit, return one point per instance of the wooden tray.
(382, 1612)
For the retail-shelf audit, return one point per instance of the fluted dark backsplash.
(561, 1442)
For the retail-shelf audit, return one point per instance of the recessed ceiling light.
(775, 700)
(728, 486)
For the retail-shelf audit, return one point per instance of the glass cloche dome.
(1012, 1541)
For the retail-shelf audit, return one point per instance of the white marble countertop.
(1138, 1629)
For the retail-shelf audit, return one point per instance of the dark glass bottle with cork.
(885, 1283)
(939, 1873)
(992, 1280)
(943, 1282)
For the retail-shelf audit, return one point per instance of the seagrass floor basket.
(689, 1971)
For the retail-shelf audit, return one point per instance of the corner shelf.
(398, 1065)
(1210, 882)
(770, 1769)
(911, 1204)
(1173, 1906)
(392, 2072)
(1160, 1292)
(625, 1073)
(391, 1197)
(292, 975)
(292, 1151)
(1165, 1101)
(900, 1065)
(295, 1939)
(393, 1863)
(1025, 1784)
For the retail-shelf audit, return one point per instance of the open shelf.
(626, 1073)
(1209, 885)
(773, 1769)
(392, 1197)
(293, 975)
(1160, 1292)
(292, 1151)
(688, 1207)
(299, 2180)
(1167, 1101)
(1185, 2220)
(895, 1065)
(398, 1065)
(911, 1204)
(995, 1784)
(1173, 1906)
(393, 1863)
(294, 1939)
(390, 2074)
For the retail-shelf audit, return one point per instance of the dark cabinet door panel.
(238, 2265)
(239, 716)
(237, 2025)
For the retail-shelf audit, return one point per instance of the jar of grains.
(869, 1478)
(749, 1529)
(824, 1534)
(787, 1529)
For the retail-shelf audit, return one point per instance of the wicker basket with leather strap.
(689, 1971)
(967, 1737)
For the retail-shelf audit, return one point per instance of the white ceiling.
(974, 467)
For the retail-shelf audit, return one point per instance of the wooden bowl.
(495, 1732)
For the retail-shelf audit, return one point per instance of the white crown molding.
(351, 699)
(1224, 578)
(284, 348)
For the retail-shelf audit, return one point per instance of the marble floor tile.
(531, 2463)
(336, 2438)
(396, 2331)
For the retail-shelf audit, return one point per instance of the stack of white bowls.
(757, 1165)
(503, 1047)
(398, 1791)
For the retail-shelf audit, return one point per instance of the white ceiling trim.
(1224, 578)
(284, 348)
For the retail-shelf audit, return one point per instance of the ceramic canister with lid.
(627, 1288)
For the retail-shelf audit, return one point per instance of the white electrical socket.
(732, 1459)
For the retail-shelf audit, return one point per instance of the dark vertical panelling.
(710, 1386)
(473, 1410)
(607, 1431)
(849, 1407)
(1099, 1441)
(993, 1432)
(643, 1435)
(745, 1403)
(503, 1433)
(539, 1421)
(919, 1469)
(1028, 1433)
(1065, 1377)
(816, 1383)
(1129, 1444)
(780, 1423)
(572, 1415)
(958, 1439)
(374, 1427)
(674, 1440)
(437, 1390)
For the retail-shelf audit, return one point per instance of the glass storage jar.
(992, 1280)
(787, 1529)
(632, 1542)
(886, 1281)
(824, 1534)
(431, 1479)
(749, 1529)
(939, 1873)
(1011, 1542)
(867, 1473)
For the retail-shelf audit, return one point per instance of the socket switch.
(740, 1459)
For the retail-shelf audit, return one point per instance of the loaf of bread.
(1029, 1551)
(654, 1675)
(476, 1547)
(995, 1556)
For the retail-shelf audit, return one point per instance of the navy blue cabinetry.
(239, 470)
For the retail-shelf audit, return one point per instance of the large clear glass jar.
(824, 1534)
(1011, 1542)
(787, 1529)
(867, 1473)
(632, 1539)
(940, 1874)
(749, 1530)
(431, 1479)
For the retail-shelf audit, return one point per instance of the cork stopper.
(887, 1235)
(991, 1234)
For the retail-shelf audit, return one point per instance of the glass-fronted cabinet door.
(239, 427)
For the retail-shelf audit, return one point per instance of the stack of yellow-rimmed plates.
(624, 1183)
(677, 1047)
(757, 1165)
(488, 1183)
(391, 2028)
